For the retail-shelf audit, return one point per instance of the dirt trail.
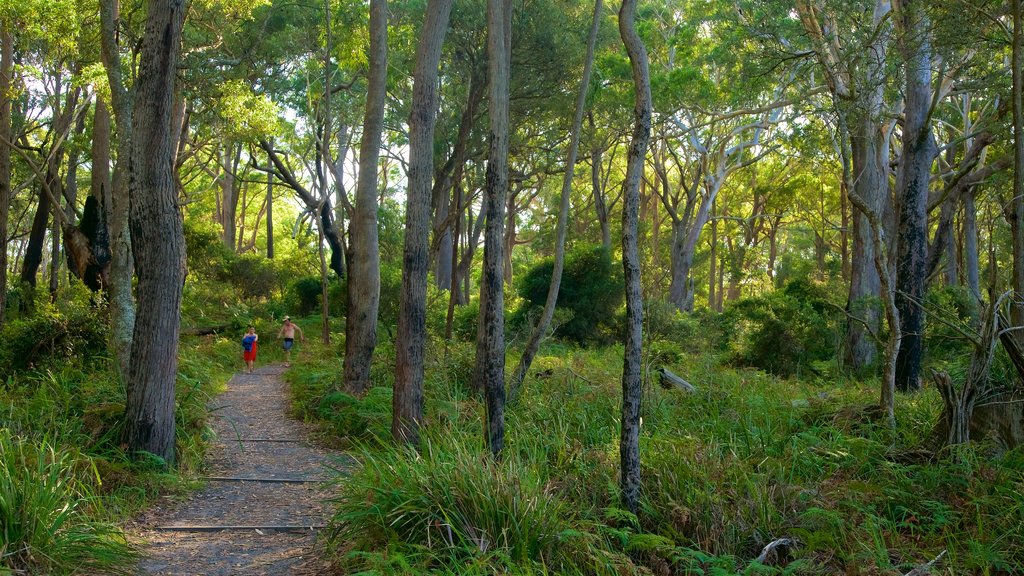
(226, 528)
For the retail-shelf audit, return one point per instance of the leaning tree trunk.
(489, 374)
(157, 238)
(629, 441)
(919, 151)
(1017, 214)
(407, 400)
(533, 345)
(122, 302)
(364, 264)
(6, 79)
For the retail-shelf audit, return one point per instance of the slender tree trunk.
(270, 215)
(230, 194)
(37, 235)
(533, 345)
(713, 261)
(6, 80)
(971, 245)
(844, 232)
(364, 265)
(489, 375)
(914, 175)
(325, 300)
(122, 303)
(1017, 218)
(407, 400)
(629, 441)
(600, 207)
(157, 237)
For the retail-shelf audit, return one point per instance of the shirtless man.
(288, 333)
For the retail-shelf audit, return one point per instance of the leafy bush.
(783, 331)
(305, 293)
(43, 523)
(958, 309)
(591, 288)
(75, 335)
(252, 275)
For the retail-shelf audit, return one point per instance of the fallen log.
(669, 379)
(773, 553)
(205, 331)
(926, 568)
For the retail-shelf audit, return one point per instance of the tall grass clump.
(44, 520)
(451, 508)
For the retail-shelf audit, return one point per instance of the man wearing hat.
(288, 333)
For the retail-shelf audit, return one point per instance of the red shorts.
(250, 356)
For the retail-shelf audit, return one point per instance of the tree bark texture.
(1017, 217)
(629, 441)
(122, 302)
(364, 263)
(562, 226)
(157, 237)
(6, 80)
(270, 215)
(407, 400)
(912, 179)
(858, 93)
(489, 374)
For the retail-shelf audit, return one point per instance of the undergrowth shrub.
(591, 289)
(252, 275)
(785, 331)
(304, 294)
(44, 523)
(75, 335)
(451, 506)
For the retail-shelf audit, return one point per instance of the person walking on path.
(287, 332)
(249, 347)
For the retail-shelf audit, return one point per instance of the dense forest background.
(669, 287)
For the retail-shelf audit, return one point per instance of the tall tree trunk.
(533, 344)
(713, 261)
(100, 186)
(157, 237)
(230, 189)
(971, 245)
(122, 303)
(869, 160)
(489, 374)
(37, 236)
(407, 400)
(1017, 218)
(597, 187)
(364, 264)
(629, 441)
(270, 215)
(919, 151)
(6, 80)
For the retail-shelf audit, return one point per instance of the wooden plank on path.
(253, 527)
(246, 479)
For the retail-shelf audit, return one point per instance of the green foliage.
(783, 332)
(450, 506)
(253, 276)
(305, 293)
(74, 333)
(44, 523)
(952, 311)
(591, 289)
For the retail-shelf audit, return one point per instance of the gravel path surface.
(256, 439)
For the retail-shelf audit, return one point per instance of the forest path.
(265, 525)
